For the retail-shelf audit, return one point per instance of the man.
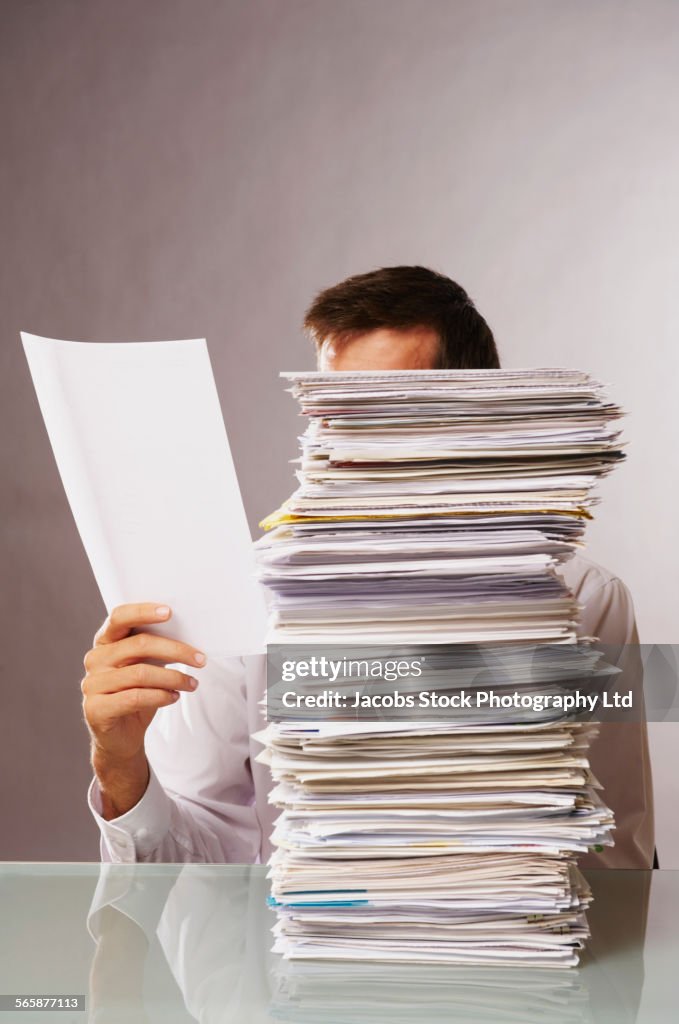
(183, 785)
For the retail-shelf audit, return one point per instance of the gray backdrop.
(175, 169)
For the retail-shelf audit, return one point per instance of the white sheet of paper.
(139, 440)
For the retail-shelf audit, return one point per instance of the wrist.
(122, 781)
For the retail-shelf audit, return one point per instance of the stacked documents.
(435, 507)
(435, 844)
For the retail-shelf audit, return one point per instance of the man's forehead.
(385, 348)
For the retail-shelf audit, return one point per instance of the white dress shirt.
(206, 799)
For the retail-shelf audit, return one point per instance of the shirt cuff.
(136, 834)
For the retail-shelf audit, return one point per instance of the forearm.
(122, 783)
(193, 800)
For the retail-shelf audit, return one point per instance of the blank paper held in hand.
(138, 436)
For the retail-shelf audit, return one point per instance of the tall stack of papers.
(435, 507)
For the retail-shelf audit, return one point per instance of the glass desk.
(176, 943)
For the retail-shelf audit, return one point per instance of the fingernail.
(175, 695)
(163, 611)
(199, 658)
(193, 683)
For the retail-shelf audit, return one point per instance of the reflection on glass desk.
(176, 943)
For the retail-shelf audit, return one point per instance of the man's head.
(399, 318)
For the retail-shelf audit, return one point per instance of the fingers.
(104, 711)
(127, 617)
(124, 681)
(135, 677)
(140, 647)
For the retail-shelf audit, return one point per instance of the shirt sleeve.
(619, 756)
(608, 613)
(199, 802)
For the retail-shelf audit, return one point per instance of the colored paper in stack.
(435, 507)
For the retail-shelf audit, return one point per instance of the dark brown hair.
(402, 297)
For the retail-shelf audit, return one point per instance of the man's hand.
(125, 684)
